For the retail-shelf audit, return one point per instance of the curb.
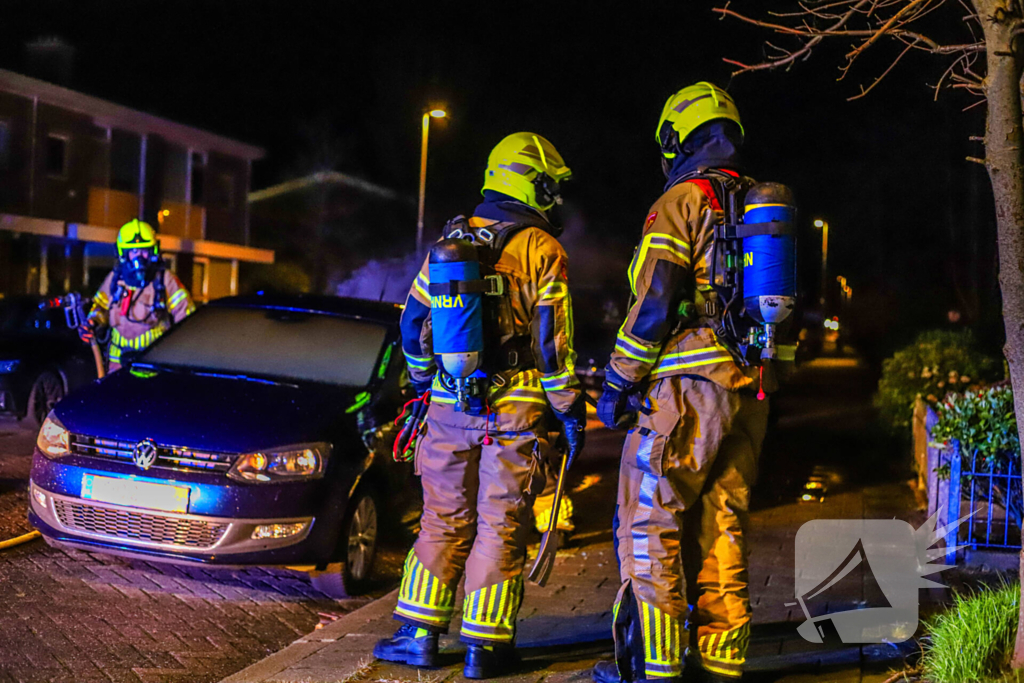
(348, 625)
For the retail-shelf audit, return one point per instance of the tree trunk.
(1005, 164)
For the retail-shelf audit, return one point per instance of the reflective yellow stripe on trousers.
(489, 614)
(422, 598)
(725, 653)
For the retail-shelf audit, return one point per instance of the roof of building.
(108, 114)
(330, 178)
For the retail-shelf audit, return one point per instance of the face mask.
(134, 271)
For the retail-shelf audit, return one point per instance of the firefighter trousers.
(477, 500)
(684, 492)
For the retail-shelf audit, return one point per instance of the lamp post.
(435, 114)
(823, 226)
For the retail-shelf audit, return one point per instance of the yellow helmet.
(136, 234)
(527, 167)
(689, 108)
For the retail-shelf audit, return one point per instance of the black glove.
(613, 408)
(575, 422)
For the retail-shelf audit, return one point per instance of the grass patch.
(972, 642)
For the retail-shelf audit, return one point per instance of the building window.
(56, 156)
(225, 187)
(200, 279)
(5, 146)
(125, 161)
(198, 178)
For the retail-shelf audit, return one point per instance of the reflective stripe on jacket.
(534, 265)
(140, 325)
(671, 266)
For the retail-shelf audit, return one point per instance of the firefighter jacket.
(663, 335)
(134, 322)
(536, 306)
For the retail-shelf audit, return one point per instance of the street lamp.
(846, 289)
(432, 114)
(823, 226)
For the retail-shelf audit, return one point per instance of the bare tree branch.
(865, 91)
(806, 49)
(885, 28)
(865, 24)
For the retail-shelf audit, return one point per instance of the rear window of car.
(274, 343)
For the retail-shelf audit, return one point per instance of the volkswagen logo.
(144, 454)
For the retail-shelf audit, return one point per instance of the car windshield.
(273, 343)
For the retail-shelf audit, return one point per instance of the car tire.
(46, 391)
(358, 542)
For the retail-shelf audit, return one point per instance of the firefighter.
(485, 434)
(690, 459)
(140, 299)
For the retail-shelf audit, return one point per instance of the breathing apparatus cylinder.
(769, 261)
(458, 322)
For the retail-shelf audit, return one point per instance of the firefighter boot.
(606, 672)
(490, 661)
(409, 645)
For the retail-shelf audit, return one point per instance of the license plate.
(135, 493)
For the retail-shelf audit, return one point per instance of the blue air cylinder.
(769, 261)
(457, 317)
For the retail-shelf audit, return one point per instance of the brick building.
(74, 168)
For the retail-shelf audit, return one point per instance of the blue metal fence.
(989, 491)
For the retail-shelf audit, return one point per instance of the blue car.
(258, 431)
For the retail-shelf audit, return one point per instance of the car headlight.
(305, 461)
(53, 438)
(8, 366)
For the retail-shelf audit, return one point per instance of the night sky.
(912, 224)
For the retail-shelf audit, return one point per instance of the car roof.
(362, 309)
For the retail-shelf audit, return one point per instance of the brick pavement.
(74, 616)
(564, 627)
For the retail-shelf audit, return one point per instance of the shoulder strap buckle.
(497, 285)
(457, 228)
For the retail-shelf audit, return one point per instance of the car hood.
(202, 412)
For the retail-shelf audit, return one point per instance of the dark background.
(344, 84)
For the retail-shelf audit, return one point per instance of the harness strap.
(754, 229)
(491, 285)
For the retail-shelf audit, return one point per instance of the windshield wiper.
(247, 378)
(153, 366)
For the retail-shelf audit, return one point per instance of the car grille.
(168, 457)
(138, 526)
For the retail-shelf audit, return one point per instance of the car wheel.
(358, 541)
(46, 391)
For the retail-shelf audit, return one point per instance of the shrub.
(936, 363)
(973, 641)
(982, 424)
(982, 421)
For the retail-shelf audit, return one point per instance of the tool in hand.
(545, 562)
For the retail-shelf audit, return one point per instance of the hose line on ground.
(18, 540)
